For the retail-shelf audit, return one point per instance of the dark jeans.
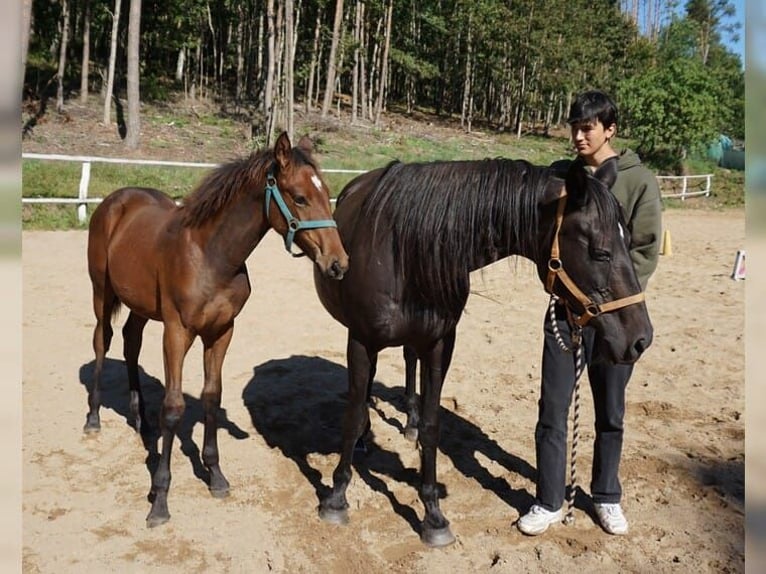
(607, 383)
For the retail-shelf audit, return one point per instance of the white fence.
(82, 200)
(679, 185)
(684, 186)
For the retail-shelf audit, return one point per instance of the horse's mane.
(447, 216)
(225, 182)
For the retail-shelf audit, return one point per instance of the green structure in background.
(724, 154)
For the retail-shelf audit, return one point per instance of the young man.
(593, 122)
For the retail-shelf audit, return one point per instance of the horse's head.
(298, 206)
(590, 267)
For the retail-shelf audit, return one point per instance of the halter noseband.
(556, 270)
(293, 223)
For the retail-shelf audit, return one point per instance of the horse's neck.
(231, 236)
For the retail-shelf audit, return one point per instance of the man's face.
(589, 137)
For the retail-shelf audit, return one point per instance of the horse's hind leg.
(104, 305)
(132, 335)
(410, 397)
(435, 528)
(334, 507)
(211, 401)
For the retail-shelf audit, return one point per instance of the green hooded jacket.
(637, 191)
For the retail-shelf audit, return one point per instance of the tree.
(709, 15)
(112, 62)
(26, 27)
(85, 52)
(672, 108)
(329, 89)
(133, 137)
(62, 55)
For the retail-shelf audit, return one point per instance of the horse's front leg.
(410, 396)
(433, 369)
(334, 507)
(215, 351)
(175, 342)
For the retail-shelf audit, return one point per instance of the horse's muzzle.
(333, 267)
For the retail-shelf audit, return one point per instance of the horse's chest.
(219, 307)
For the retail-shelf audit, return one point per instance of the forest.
(504, 65)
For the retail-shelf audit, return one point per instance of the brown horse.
(416, 231)
(185, 266)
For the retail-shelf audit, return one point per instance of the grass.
(336, 147)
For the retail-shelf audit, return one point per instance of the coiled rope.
(576, 335)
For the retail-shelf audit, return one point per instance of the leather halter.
(556, 271)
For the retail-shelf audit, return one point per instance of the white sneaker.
(612, 518)
(537, 520)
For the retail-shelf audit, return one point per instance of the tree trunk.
(85, 52)
(384, 66)
(26, 27)
(62, 55)
(331, 63)
(180, 64)
(314, 64)
(268, 96)
(467, 109)
(112, 60)
(240, 91)
(289, 61)
(362, 68)
(355, 71)
(133, 137)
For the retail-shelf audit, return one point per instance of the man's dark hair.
(593, 105)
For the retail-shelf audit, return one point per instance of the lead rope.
(579, 367)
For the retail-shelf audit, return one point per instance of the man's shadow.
(297, 405)
(115, 395)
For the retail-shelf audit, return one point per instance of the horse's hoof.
(411, 434)
(437, 537)
(156, 520)
(91, 427)
(333, 515)
(219, 492)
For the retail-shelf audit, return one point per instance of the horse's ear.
(577, 184)
(607, 172)
(554, 188)
(282, 150)
(306, 144)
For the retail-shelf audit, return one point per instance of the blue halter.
(293, 224)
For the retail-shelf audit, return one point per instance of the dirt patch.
(85, 497)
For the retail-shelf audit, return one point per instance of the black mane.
(446, 216)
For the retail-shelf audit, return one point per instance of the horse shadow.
(297, 406)
(115, 395)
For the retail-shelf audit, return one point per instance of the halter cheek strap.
(556, 271)
(293, 223)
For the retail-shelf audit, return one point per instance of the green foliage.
(673, 107)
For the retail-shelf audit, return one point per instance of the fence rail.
(684, 186)
(679, 185)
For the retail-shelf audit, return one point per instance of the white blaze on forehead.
(317, 182)
(619, 226)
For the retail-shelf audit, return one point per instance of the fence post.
(683, 189)
(82, 208)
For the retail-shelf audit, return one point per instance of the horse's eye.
(601, 255)
(300, 200)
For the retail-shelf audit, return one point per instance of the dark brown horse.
(185, 266)
(414, 233)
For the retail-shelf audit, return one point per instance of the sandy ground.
(85, 497)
